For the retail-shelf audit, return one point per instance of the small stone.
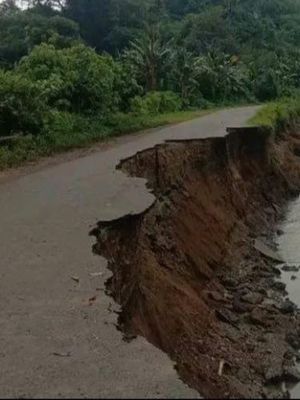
(266, 250)
(293, 277)
(290, 268)
(252, 298)
(292, 374)
(276, 271)
(216, 296)
(241, 307)
(274, 393)
(287, 307)
(279, 232)
(293, 340)
(263, 292)
(280, 286)
(274, 373)
(229, 282)
(256, 317)
(227, 316)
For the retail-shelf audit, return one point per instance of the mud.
(188, 272)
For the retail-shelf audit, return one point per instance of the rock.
(293, 340)
(216, 296)
(287, 307)
(241, 307)
(263, 292)
(293, 277)
(252, 298)
(227, 316)
(292, 374)
(290, 268)
(264, 274)
(257, 317)
(276, 271)
(277, 285)
(279, 232)
(275, 393)
(290, 355)
(266, 250)
(274, 373)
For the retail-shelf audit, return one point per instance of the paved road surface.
(45, 218)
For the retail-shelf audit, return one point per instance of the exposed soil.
(188, 272)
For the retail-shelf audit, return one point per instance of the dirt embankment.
(187, 272)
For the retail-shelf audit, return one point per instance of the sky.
(20, 3)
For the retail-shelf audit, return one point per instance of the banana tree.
(149, 55)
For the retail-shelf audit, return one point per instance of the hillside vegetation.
(76, 71)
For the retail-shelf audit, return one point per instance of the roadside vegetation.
(280, 115)
(74, 72)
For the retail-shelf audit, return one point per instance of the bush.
(126, 85)
(279, 116)
(74, 79)
(63, 130)
(156, 103)
(21, 110)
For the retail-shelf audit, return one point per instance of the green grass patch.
(278, 116)
(65, 131)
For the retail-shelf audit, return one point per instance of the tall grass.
(278, 116)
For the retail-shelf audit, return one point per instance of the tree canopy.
(103, 56)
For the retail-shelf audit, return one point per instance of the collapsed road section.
(196, 274)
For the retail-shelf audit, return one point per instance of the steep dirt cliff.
(189, 272)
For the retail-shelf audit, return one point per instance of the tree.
(221, 77)
(108, 24)
(209, 31)
(184, 75)
(21, 108)
(7, 7)
(74, 79)
(149, 55)
(20, 31)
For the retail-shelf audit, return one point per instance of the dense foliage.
(65, 62)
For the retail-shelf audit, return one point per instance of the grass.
(278, 116)
(64, 131)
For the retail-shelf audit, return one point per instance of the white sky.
(20, 3)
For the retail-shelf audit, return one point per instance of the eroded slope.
(186, 271)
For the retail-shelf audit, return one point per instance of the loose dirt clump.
(188, 272)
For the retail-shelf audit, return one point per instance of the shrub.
(156, 103)
(21, 110)
(280, 115)
(64, 130)
(74, 79)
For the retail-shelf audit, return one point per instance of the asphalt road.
(52, 342)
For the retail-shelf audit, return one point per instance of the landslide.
(187, 272)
